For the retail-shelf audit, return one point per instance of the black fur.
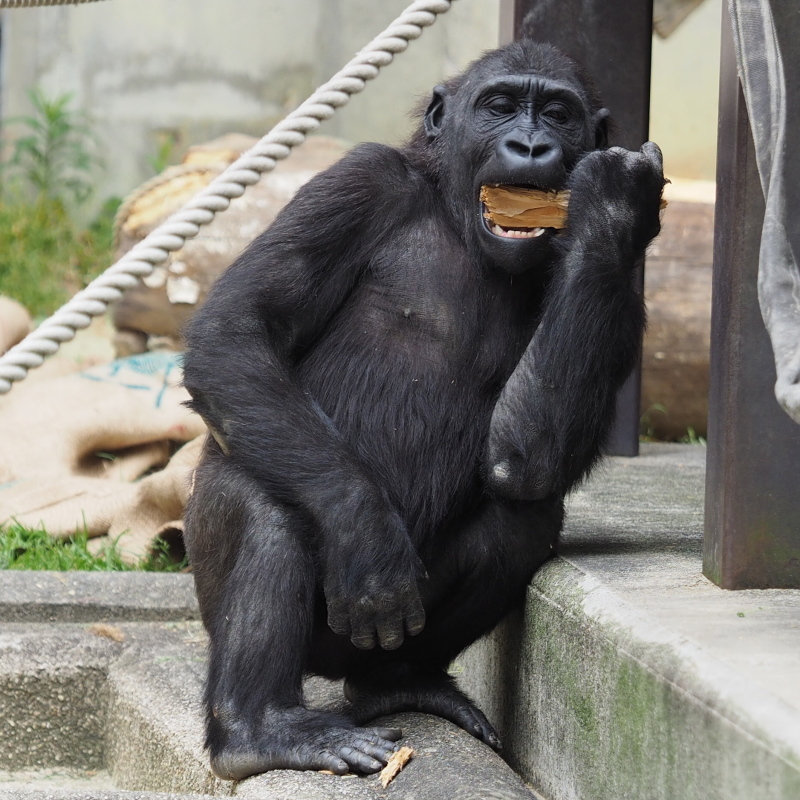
(400, 400)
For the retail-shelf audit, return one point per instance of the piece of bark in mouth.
(515, 207)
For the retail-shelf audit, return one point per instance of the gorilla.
(400, 394)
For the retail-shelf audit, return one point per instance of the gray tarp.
(767, 39)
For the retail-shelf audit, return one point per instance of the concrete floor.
(638, 529)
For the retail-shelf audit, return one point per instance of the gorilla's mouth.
(510, 233)
(522, 212)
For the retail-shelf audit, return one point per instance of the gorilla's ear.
(434, 115)
(602, 121)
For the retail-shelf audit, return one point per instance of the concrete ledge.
(626, 675)
(599, 693)
(126, 698)
(94, 596)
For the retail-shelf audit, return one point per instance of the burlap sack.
(71, 447)
(15, 323)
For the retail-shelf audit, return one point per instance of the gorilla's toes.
(473, 721)
(317, 741)
(431, 692)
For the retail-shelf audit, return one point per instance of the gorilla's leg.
(256, 588)
(477, 577)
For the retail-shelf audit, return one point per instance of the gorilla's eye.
(557, 113)
(500, 104)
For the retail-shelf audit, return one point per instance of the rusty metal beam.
(752, 521)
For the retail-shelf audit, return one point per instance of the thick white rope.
(31, 3)
(140, 261)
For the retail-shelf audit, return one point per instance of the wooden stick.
(515, 207)
(397, 761)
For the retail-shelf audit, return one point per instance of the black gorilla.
(400, 396)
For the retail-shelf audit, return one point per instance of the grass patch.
(44, 258)
(35, 549)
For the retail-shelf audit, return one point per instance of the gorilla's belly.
(386, 402)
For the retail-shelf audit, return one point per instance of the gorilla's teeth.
(512, 233)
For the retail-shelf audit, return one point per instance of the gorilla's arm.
(261, 316)
(554, 413)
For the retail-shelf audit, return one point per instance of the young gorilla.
(401, 396)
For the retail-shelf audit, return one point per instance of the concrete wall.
(685, 91)
(193, 69)
(145, 69)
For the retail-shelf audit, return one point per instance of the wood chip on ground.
(396, 763)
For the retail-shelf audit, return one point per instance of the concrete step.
(628, 674)
(123, 699)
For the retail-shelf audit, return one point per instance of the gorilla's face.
(513, 130)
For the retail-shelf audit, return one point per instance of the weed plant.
(55, 155)
(29, 548)
(44, 257)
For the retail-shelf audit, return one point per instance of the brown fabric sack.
(73, 451)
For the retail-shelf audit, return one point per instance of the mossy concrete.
(600, 693)
(124, 697)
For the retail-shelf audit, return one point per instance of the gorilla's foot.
(431, 691)
(297, 738)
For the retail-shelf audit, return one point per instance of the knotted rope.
(140, 261)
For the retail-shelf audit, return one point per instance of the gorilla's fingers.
(363, 636)
(390, 632)
(653, 152)
(415, 618)
(390, 734)
(338, 619)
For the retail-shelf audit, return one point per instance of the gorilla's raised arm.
(556, 409)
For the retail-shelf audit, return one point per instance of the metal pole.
(613, 42)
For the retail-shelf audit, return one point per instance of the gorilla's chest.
(410, 367)
(422, 342)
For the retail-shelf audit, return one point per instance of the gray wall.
(199, 68)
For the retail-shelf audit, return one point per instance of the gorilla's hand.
(371, 586)
(615, 200)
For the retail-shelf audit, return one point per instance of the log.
(675, 358)
(160, 307)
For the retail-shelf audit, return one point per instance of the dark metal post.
(752, 522)
(613, 41)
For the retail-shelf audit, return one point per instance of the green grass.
(27, 548)
(44, 258)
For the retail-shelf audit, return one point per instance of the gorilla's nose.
(524, 152)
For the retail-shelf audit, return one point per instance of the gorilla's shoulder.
(371, 164)
(367, 174)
